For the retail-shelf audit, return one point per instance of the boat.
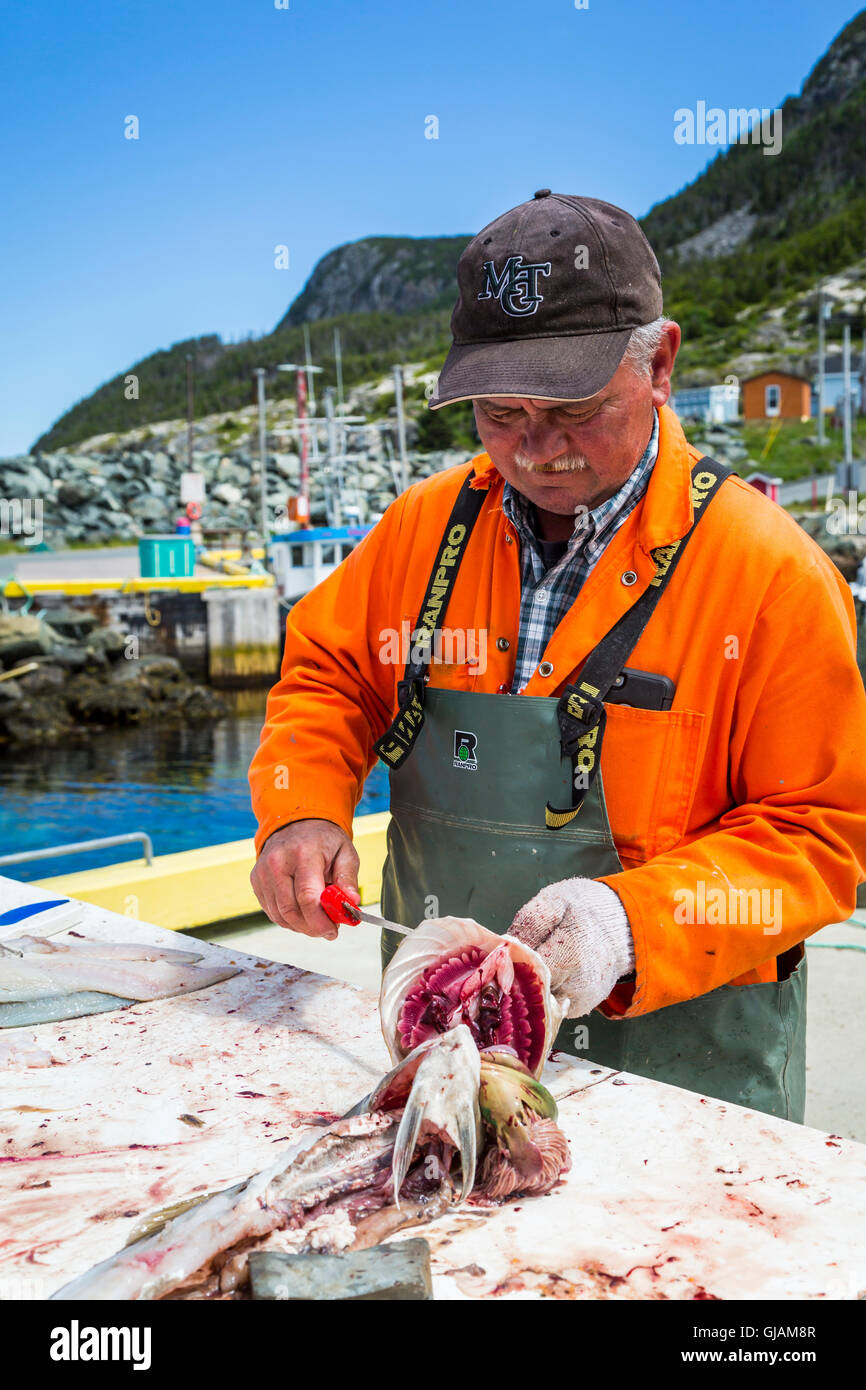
(302, 558)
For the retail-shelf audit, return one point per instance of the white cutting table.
(671, 1195)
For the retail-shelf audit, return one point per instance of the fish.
(57, 1008)
(462, 1115)
(107, 950)
(34, 968)
(453, 970)
(318, 1195)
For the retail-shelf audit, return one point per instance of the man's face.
(565, 455)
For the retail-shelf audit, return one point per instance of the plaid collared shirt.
(547, 593)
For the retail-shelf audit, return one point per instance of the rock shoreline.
(121, 494)
(77, 679)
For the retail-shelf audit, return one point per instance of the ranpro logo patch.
(464, 750)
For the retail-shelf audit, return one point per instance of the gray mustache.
(566, 463)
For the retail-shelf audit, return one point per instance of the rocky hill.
(744, 197)
(379, 275)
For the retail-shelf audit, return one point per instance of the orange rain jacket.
(755, 779)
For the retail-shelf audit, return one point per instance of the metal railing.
(81, 846)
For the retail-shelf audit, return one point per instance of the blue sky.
(305, 127)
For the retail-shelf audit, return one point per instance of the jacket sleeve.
(335, 693)
(795, 837)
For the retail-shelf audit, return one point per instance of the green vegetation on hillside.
(371, 345)
(818, 172)
(788, 451)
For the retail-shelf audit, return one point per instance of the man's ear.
(663, 362)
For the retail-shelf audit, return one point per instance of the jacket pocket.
(454, 663)
(650, 762)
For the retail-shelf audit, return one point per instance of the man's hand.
(295, 864)
(580, 929)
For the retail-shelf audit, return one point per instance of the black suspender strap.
(580, 712)
(396, 743)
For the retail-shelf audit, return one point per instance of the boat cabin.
(302, 558)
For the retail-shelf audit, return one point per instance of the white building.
(834, 384)
(715, 405)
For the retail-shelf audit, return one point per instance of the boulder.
(227, 493)
(71, 657)
(35, 720)
(236, 517)
(22, 636)
(71, 622)
(161, 467)
(46, 680)
(108, 641)
(287, 465)
(162, 667)
(132, 487)
(149, 509)
(229, 471)
(36, 483)
(76, 492)
(202, 703)
(10, 694)
(118, 701)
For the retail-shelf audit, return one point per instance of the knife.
(340, 910)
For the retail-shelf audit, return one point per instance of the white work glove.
(580, 929)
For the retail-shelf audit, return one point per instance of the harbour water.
(185, 787)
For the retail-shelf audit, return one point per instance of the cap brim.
(555, 369)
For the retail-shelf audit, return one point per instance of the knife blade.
(341, 910)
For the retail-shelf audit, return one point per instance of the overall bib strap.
(397, 742)
(580, 713)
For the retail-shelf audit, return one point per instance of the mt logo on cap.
(517, 287)
(548, 296)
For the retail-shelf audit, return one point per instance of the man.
(656, 775)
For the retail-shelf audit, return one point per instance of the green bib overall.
(468, 837)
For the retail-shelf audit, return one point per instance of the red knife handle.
(337, 905)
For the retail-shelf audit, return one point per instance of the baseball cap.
(548, 296)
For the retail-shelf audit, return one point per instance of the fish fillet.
(106, 950)
(32, 967)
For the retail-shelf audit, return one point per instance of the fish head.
(452, 971)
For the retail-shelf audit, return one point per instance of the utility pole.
(309, 369)
(189, 411)
(305, 380)
(311, 393)
(340, 432)
(821, 439)
(846, 408)
(338, 361)
(260, 373)
(336, 461)
(401, 428)
(304, 488)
